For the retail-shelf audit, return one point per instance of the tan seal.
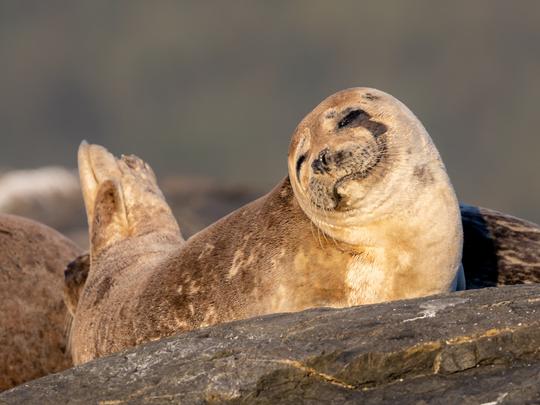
(367, 214)
(33, 339)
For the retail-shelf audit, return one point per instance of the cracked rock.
(479, 346)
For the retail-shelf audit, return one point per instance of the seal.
(367, 214)
(33, 341)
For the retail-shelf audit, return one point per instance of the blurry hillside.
(216, 88)
(52, 195)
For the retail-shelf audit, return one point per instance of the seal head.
(360, 156)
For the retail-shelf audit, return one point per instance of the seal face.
(348, 157)
(352, 156)
(367, 214)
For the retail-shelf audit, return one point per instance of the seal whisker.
(317, 237)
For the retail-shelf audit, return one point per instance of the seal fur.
(33, 341)
(367, 214)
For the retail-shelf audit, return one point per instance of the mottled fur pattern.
(349, 226)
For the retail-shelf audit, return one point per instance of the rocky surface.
(499, 249)
(471, 347)
(50, 195)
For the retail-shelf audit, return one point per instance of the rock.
(33, 315)
(499, 249)
(50, 195)
(470, 347)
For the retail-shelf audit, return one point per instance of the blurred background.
(214, 89)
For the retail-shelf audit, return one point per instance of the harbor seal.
(367, 214)
(33, 341)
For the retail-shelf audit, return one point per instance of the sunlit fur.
(402, 215)
(375, 219)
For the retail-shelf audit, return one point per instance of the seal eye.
(353, 116)
(299, 163)
(360, 118)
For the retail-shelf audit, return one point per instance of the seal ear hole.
(299, 164)
(352, 117)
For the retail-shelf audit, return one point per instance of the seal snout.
(333, 169)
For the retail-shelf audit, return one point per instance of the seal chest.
(366, 280)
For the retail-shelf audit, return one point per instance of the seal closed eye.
(355, 115)
(360, 118)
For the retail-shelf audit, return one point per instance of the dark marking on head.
(330, 114)
(370, 96)
(423, 174)
(360, 118)
(351, 117)
(102, 289)
(299, 163)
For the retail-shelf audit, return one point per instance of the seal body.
(33, 339)
(367, 214)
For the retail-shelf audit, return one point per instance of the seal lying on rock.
(367, 214)
(498, 250)
(32, 321)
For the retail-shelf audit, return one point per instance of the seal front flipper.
(122, 198)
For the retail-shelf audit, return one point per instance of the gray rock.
(499, 249)
(471, 347)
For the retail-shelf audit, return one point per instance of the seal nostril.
(321, 164)
(324, 159)
(317, 166)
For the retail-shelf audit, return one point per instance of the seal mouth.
(340, 199)
(359, 175)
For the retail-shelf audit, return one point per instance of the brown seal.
(367, 214)
(33, 319)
